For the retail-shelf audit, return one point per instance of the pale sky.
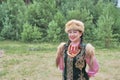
(118, 5)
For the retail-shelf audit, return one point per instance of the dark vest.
(75, 67)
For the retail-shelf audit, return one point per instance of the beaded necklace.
(73, 50)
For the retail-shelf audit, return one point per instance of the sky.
(118, 5)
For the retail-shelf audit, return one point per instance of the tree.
(104, 30)
(9, 23)
(56, 27)
(30, 33)
(40, 13)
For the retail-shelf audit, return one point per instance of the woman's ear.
(80, 33)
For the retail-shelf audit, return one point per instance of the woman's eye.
(74, 31)
(69, 31)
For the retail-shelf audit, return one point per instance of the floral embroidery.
(69, 68)
(75, 62)
(80, 63)
(81, 77)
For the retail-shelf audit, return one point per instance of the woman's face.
(74, 35)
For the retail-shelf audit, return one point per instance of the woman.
(73, 57)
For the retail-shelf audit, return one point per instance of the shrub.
(30, 33)
(9, 14)
(55, 29)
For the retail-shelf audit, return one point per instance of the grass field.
(28, 61)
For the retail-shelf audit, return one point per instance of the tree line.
(44, 20)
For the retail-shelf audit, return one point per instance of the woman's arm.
(59, 58)
(93, 68)
(91, 60)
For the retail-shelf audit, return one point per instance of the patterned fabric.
(75, 66)
(69, 68)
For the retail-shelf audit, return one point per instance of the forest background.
(44, 20)
(31, 30)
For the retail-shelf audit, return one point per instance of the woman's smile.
(74, 35)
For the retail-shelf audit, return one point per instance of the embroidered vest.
(75, 66)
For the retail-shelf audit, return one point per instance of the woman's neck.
(75, 43)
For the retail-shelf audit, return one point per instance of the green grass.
(36, 61)
(25, 48)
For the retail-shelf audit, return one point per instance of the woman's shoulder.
(62, 44)
(90, 49)
(89, 46)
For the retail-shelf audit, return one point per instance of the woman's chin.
(72, 40)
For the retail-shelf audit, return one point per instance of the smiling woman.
(74, 56)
